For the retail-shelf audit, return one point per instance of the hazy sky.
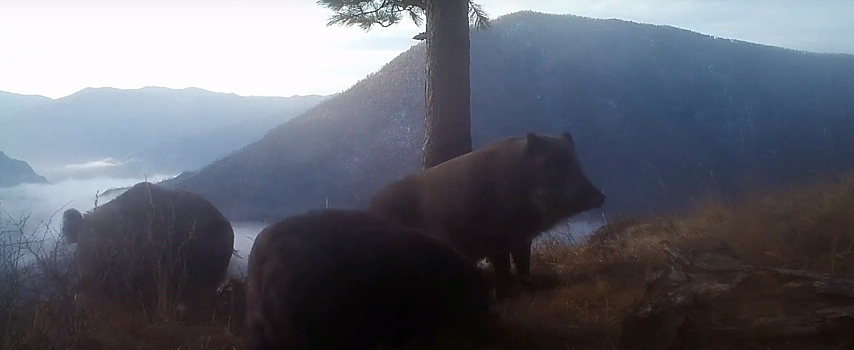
(281, 48)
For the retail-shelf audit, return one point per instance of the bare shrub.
(47, 306)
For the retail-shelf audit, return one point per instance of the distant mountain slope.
(193, 152)
(11, 104)
(99, 123)
(660, 115)
(14, 172)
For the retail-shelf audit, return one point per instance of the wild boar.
(494, 201)
(150, 238)
(345, 279)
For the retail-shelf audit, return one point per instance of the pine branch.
(477, 16)
(367, 13)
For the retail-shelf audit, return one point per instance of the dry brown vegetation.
(581, 294)
(602, 281)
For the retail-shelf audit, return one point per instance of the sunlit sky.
(282, 48)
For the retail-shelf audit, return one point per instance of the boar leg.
(521, 252)
(501, 265)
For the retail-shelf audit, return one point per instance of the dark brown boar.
(151, 240)
(345, 279)
(492, 203)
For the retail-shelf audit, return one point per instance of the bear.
(151, 240)
(346, 279)
(492, 202)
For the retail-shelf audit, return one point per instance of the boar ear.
(535, 143)
(568, 138)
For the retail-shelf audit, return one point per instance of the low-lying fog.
(244, 237)
(40, 207)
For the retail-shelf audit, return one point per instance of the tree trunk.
(447, 127)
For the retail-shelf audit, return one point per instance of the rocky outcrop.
(712, 301)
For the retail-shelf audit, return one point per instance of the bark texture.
(447, 129)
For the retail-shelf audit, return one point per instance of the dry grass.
(581, 292)
(77, 322)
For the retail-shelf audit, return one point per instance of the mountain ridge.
(14, 172)
(12, 103)
(101, 123)
(662, 116)
(163, 89)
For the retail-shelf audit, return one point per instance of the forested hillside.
(661, 116)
